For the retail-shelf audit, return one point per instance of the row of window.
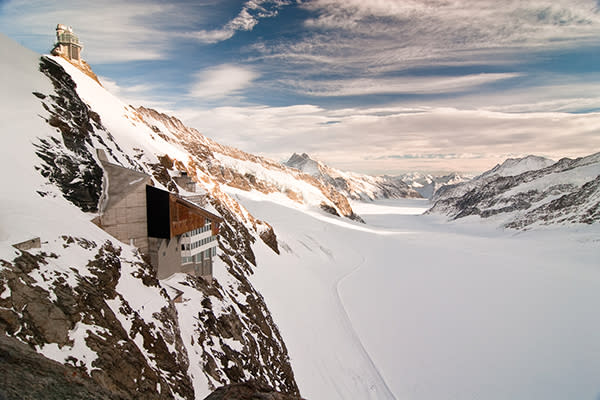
(199, 243)
(68, 37)
(200, 256)
(198, 231)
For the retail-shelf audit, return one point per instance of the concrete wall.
(123, 204)
(165, 256)
(126, 220)
(185, 182)
(124, 216)
(69, 51)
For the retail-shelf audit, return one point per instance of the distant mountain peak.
(528, 191)
(353, 185)
(517, 166)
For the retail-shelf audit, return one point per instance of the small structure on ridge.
(67, 44)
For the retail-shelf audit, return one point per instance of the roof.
(198, 209)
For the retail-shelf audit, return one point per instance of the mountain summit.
(352, 185)
(527, 192)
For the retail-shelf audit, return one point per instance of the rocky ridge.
(427, 185)
(238, 169)
(563, 192)
(92, 304)
(352, 185)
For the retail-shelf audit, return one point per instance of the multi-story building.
(176, 234)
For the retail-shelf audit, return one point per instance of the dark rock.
(34, 317)
(27, 375)
(69, 164)
(248, 391)
(330, 210)
(269, 238)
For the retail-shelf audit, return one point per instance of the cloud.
(399, 139)
(246, 20)
(111, 31)
(221, 81)
(376, 36)
(137, 95)
(406, 85)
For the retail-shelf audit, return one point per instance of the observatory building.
(67, 44)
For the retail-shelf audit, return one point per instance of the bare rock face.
(27, 375)
(69, 164)
(248, 391)
(555, 194)
(42, 317)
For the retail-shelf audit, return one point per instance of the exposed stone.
(27, 375)
(35, 318)
(248, 391)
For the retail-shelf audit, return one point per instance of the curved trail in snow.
(388, 394)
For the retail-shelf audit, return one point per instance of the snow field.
(430, 309)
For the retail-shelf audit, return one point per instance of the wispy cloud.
(390, 35)
(111, 31)
(372, 139)
(406, 85)
(221, 81)
(246, 20)
(137, 95)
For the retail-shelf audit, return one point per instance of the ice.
(417, 308)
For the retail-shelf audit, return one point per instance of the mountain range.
(352, 185)
(526, 192)
(307, 299)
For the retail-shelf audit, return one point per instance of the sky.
(371, 86)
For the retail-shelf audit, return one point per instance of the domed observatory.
(67, 43)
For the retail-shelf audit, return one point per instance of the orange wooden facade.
(186, 217)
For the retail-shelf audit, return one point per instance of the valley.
(410, 306)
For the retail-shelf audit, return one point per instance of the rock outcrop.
(352, 185)
(248, 391)
(27, 375)
(563, 192)
(97, 308)
(224, 165)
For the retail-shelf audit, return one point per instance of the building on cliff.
(176, 234)
(67, 44)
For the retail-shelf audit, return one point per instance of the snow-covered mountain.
(530, 191)
(510, 167)
(353, 185)
(237, 169)
(427, 184)
(517, 166)
(92, 303)
(302, 301)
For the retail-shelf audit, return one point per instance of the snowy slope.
(510, 167)
(409, 307)
(234, 168)
(427, 185)
(352, 185)
(564, 192)
(529, 192)
(517, 166)
(402, 307)
(108, 316)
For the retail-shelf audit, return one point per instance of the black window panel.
(158, 213)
